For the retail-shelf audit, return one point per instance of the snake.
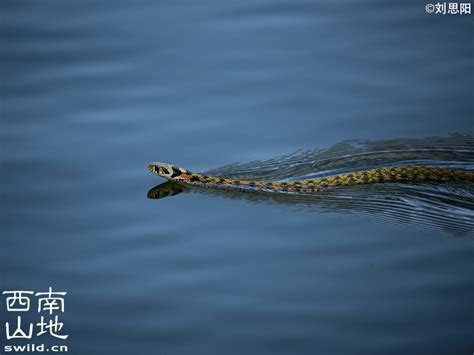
(391, 174)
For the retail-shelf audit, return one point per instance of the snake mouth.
(153, 168)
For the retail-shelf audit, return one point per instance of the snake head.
(168, 171)
(162, 169)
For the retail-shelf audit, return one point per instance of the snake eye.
(165, 171)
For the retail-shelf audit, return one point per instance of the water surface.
(93, 91)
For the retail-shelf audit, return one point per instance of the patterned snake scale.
(396, 174)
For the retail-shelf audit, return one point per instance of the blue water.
(93, 91)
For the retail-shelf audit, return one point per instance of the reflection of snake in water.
(396, 174)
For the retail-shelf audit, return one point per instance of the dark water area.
(92, 91)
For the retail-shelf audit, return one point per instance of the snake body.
(396, 174)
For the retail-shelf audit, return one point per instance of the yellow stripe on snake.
(395, 174)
